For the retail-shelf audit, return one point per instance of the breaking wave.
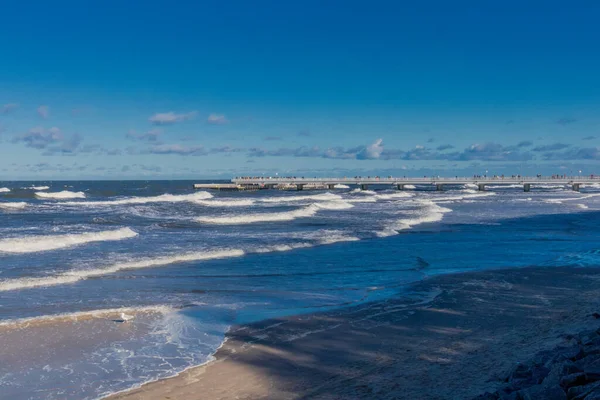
(32, 244)
(397, 195)
(37, 187)
(81, 274)
(13, 206)
(334, 205)
(428, 212)
(4, 190)
(340, 186)
(163, 198)
(65, 194)
(323, 197)
(225, 203)
(260, 217)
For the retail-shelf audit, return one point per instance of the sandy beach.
(458, 340)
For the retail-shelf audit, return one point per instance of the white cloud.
(171, 117)
(371, 152)
(217, 119)
(8, 108)
(43, 111)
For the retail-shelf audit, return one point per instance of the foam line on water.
(163, 198)
(225, 203)
(428, 212)
(101, 313)
(4, 190)
(261, 217)
(37, 187)
(32, 244)
(81, 274)
(13, 206)
(467, 195)
(333, 205)
(312, 197)
(559, 201)
(65, 194)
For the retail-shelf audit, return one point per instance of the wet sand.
(462, 342)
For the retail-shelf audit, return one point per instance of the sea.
(107, 285)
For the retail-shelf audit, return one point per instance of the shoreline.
(478, 325)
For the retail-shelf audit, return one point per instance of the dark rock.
(594, 395)
(591, 341)
(568, 367)
(570, 353)
(519, 372)
(596, 315)
(509, 396)
(592, 371)
(580, 392)
(487, 396)
(571, 380)
(539, 373)
(543, 392)
(592, 350)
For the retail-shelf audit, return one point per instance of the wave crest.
(260, 217)
(65, 194)
(32, 244)
(163, 198)
(13, 206)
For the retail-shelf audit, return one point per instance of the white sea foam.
(4, 190)
(397, 195)
(411, 187)
(340, 186)
(360, 191)
(226, 202)
(37, 187)
(361, 199)
(467, 195)
(81, 274)
(65, 194)
(430, 212)
(427, 213)
(261, 217)
(282, 247)
(334, 205)
(582, 206)
(311, 197)
(559, 201)
(503, 186)
(336, 238)
(13, 206)
(31, 244)
(163, 198)
(102, 313)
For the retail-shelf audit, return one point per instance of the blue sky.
(113, 89)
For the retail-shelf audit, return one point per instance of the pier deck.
(527, 182)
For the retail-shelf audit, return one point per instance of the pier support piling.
(481, 187)
(331, 186)
(299, 187)
(576, 187)
(364, 187)
(527, 187)
(439, 187)
(400, 187)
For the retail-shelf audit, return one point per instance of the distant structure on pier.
(302, 183)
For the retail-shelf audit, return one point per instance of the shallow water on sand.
(185, 265)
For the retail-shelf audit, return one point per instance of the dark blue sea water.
(184, 265)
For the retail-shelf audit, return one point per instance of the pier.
(302, 183)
